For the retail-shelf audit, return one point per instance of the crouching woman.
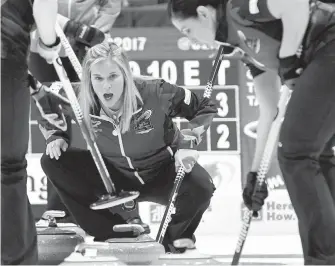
(131, 121)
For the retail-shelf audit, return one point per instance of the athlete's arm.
(295, 17)
(45, 15)
(84, 34)
(107, 15)
(267, 86)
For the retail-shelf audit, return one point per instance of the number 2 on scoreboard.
(223, 142)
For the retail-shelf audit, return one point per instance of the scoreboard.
(185, 72)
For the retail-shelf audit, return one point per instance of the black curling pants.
(18, 232)
(306, 157)
(78, 183)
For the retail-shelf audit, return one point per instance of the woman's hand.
(186, 158)
(54, 148)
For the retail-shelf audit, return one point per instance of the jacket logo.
(254, 44)
(95, 126)
(142, 122)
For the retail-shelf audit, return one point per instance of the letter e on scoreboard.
(191, 73)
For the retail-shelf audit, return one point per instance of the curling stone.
(88, 257)
(190, 257)
(49, 220)
(138, 250)
(56, 241)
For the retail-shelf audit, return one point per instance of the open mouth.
(108, 96)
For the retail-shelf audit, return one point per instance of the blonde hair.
(108, 50)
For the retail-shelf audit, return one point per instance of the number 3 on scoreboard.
(223, 142)
(223, 101)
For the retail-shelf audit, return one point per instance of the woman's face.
(108, 83)
(200, 29)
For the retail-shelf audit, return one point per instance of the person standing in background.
(18, 18)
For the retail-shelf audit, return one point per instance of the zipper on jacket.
(124, 155)
(118, 133)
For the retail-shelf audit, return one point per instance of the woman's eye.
(113, 76)
(98, 78)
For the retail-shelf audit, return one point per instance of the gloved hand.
(49, 52)
(186, 158)
(290, 68)
(251, 201)
(191, 137)
(87, 35)
(47, 104)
